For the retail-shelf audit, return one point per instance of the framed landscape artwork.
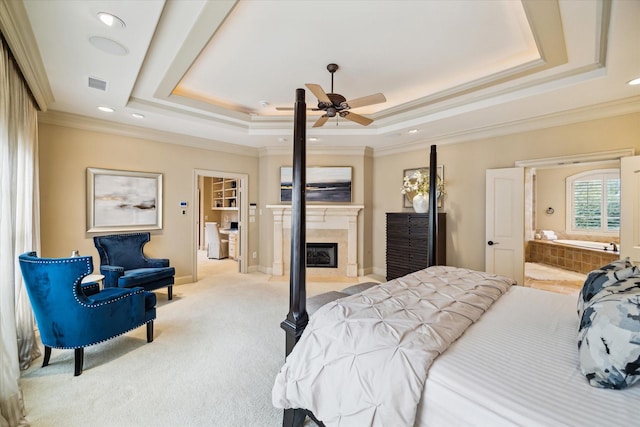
(123, 200)
(324, 184)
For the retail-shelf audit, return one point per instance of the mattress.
(518, 365)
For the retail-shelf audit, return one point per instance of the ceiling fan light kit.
(334, 104)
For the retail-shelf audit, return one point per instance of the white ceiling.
(453, 70)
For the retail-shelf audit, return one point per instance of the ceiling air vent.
(97, 84)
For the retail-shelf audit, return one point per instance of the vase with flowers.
(415, 188)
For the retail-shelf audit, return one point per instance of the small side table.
(98, 278)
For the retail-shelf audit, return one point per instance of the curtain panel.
(19, 232)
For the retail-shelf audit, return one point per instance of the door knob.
(491, 243)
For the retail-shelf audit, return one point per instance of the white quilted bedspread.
(363, 360)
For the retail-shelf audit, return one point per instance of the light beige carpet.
(217, 349)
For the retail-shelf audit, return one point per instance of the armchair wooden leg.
(170, 291)
(47, 356)
(150, 331)
(79, 352)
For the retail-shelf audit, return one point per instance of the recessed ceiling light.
(108, 45)
(313, 139)
(413, 131)
(106, 109)
(137, 115)
(264, 104)
(634, 82)
(111, 20)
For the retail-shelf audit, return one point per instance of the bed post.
(297, 318)
(433, 206)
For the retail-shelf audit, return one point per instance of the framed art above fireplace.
(324, 184)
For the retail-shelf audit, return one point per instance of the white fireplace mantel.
(318, 217)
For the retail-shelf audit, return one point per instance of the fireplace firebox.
(322, 255)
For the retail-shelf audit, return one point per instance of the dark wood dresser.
(407, 242)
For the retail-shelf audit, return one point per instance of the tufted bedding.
(363, 360)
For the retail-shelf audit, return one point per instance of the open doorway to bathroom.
(562, 243)
(220, 235)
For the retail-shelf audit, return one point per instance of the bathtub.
(599, 246)
(575, 255)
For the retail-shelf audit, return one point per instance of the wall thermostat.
(183, 204)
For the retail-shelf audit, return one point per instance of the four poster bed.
(390, 355)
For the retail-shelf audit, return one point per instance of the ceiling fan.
(334, 104)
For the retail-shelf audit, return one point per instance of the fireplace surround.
(324, 224)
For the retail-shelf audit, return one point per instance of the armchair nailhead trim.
(77, 282)
(61, 261)
(121, 297)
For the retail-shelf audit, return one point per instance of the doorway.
(547, 213)
(221, 197)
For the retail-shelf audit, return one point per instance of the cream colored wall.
(65, 153)
(551, 193)
(269, 190)
(464, 169)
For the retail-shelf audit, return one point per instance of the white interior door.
(630, 208)
(504, 253)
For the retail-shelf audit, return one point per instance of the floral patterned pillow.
(602, 278)
(609, 336)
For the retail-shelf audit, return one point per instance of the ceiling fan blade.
(318, 92)
(376, 98)
(322, 120)
(356, 118)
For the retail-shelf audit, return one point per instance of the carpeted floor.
(217, 349)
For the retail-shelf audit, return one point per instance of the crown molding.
(600, 156)
(600, 111)
(96, 125)
(16, 29)
(593, 112)
(552, 48)
(318, 151)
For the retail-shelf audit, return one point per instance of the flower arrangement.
(418, 184)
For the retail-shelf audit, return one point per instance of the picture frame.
(407, 198)
(119, 200)
(332, 184)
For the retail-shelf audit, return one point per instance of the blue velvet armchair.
(124, 265)
(72, 315)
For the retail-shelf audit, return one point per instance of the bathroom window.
(593, 202)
